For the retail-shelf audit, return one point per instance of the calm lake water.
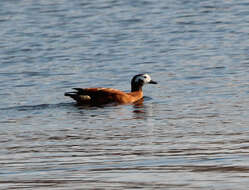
(192, 130)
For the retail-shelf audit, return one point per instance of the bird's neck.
(135, 88)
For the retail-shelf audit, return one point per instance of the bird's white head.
(144, 79)
(139, 80)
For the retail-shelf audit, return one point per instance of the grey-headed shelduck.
(99, 96)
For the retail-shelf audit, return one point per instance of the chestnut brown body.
(99, 96)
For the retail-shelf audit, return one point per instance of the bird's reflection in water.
(140, 111)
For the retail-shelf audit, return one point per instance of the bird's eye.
(145, 77)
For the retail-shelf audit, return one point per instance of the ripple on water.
(191, 132)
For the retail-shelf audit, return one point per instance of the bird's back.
(99, 96)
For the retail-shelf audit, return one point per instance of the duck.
(100, 96)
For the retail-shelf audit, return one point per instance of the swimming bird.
(100, 96)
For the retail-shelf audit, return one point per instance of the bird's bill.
(152, 82)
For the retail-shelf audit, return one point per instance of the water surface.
(191, 132)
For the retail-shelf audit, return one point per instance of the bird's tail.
(81, 99)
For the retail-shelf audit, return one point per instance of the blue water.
(191, 132)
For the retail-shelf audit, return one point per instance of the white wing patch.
(85, 97)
